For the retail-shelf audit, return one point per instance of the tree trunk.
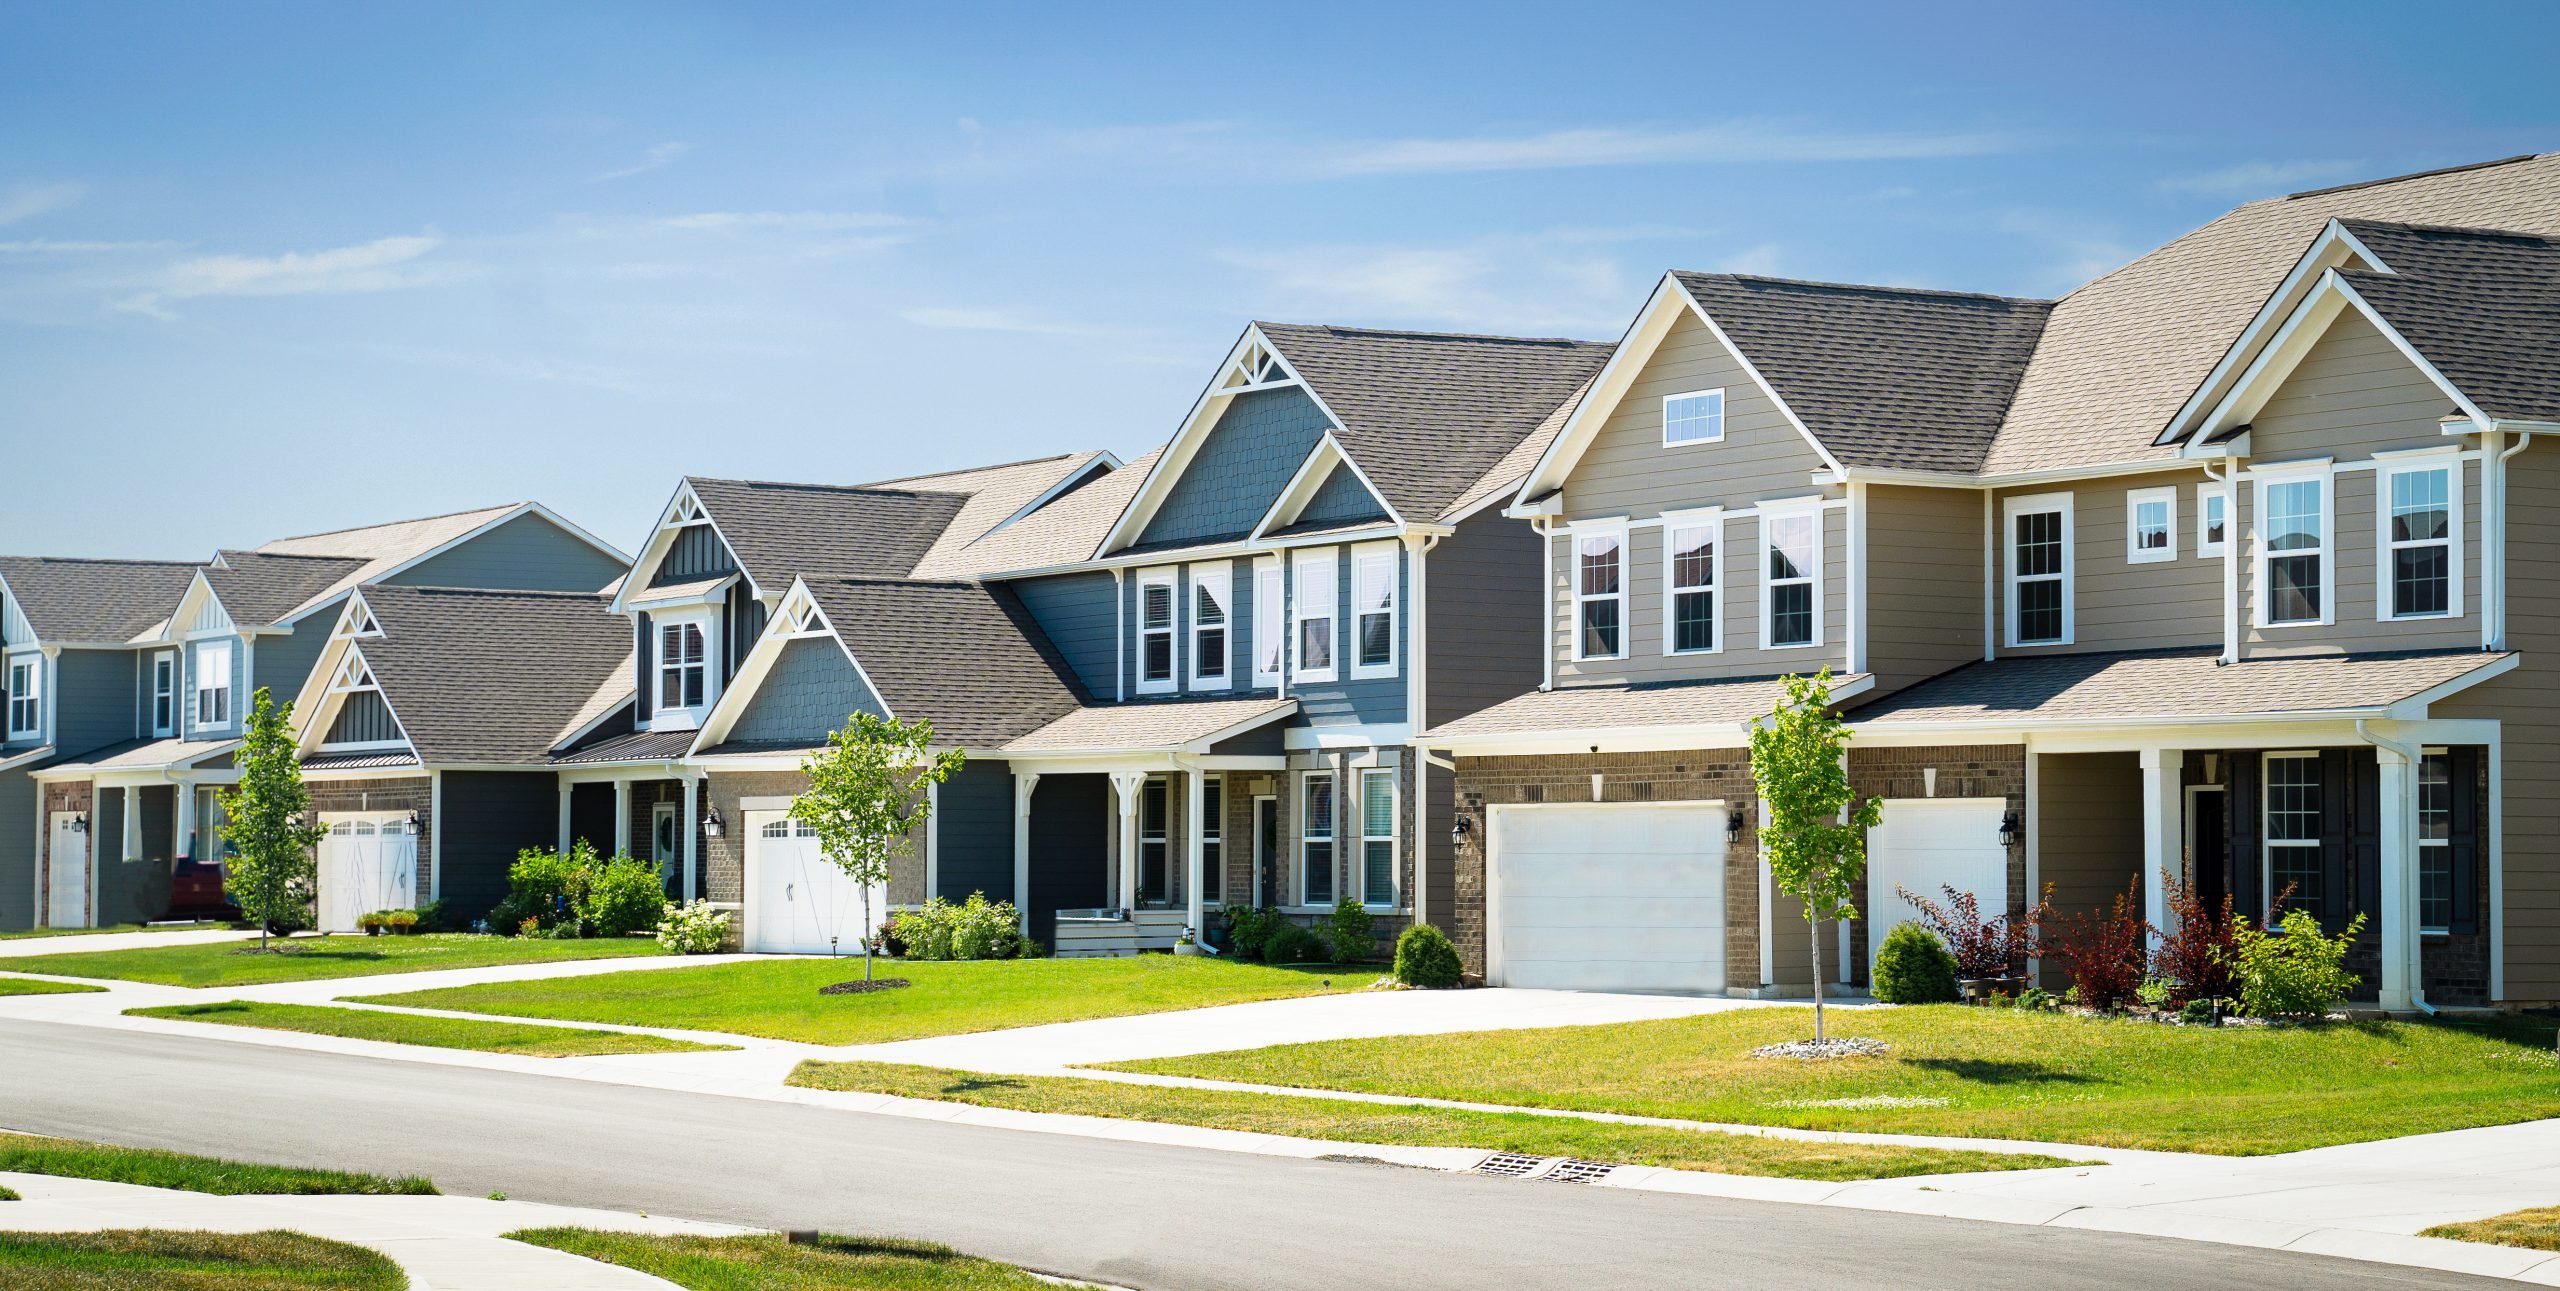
(1816, 925)
(870, 935)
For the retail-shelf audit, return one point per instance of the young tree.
(866, 791)
(266, 822)
(1816, 836)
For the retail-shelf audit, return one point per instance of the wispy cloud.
(961, 318)
(30, 200)
(658, 157)
(2260, 178)
(2079, 248)
(1732, 141)
(384, 264)
(1570, 280)
(792, 221)
(74, 246)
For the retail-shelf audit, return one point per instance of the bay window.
(2421, 530)
(1599, 594)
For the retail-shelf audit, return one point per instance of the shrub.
(1291, 944)
(2154, 994)
(2106, 953)
(1914, 967)
(983, 929)
(693, 928)
(2199, 1013)
(2295, 971)
(431, 916)
(2199, 960)
(541, 884)
(621, 896)
(925, 931)
(1350, 933)
(1425, 957)
(2036, 998)
(1249, 927)
(1994, 947)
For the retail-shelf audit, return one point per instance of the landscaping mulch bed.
(863, 988)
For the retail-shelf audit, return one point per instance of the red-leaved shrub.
(1995, 947)
(2106, 954)
(2200, 960)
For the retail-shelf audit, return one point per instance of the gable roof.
(1891, 377)
(2121, 355)
(257, 588)
(1067, 530)
(964, 655)
(95, 601)
(385, 549)
(2483, 306)
(483, 676)
(779, 531)
(1505, 475)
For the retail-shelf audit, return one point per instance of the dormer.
(692, 607)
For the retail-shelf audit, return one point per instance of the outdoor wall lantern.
(416, 825)
(80, 824)
(1733, 824)
(2009, 829)
(712, 825)
(1595, 773)
(1458, 832)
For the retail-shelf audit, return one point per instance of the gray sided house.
(2199, 575)
(258, 620)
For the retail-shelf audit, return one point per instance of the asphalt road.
(1125, 1213)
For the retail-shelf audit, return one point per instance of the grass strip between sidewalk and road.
(302, 959)
(1408, 1125)
(154, 1168)
(2536, 1230)
(526, 1039)
(33, 986)
(169, 1260)
(1961, 1072)
(778, 999)
(772, 1263)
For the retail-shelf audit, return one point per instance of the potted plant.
(401, 922)
(1186, 944)
(370, 923)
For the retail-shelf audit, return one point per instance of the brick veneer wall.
(724, 859)
(62, 795)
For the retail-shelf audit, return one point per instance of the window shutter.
(2337, 791)
(2467, 829)
(648, 642)
(2367, 826)
(2248, 858)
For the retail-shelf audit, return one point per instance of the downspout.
(2230, 560)
(2408, 848)
(1417, 720)
(1546, 603)
(2493, 580)
(1119, 638)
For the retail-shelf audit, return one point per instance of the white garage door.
(1929, 845)
(67, 879)
(1607, 898)
(368, 862)
(797, 901)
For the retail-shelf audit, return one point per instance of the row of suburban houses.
(2231, 567)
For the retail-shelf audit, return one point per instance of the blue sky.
(268, 269)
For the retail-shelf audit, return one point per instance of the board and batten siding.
(1075, 611)
(1737, 608)
(1481, 617)
(1627, 471)
(527, 553)
(2117, 604)
(1259, 441)
(1924, 582)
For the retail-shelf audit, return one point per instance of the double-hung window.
(1154, 809)
(1213, 834)
(26, 695)
(1791, 593)
(1270, 620)
(1378, 837)
(1317, 602)
(213, 684)
(1600, 594)
(2294, 585)
(683, 665)
(2421, 570)
(1155, 631)
(2150, 526)
(1693, 418)
(2435, 841)
(164, 693)
(1373, 610)
(2040, 568)
(2213, 519)
(1689, 622)
(1211, 597)
(1315, 840)
(2293, 831)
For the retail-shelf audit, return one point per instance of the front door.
(67, 882)
(1266, 845)
(2212, 837)
(662, 840)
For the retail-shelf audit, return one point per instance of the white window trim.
(1159, 836)
(1574, 535)
(2424, 928)
(33, 662)
(2208, 494)
(1168, 578)
(1717, 393)
(684, 717)
(1770, 513)
(2263, 479)
(1270, 608)
(1392, 838)
(2267, 840)
(1364, 557)
(2134, 501)
(1213, 833)
(1332, 839)
(2035, 504)
(1300, 561)
(1219, 576)
(196, 693)
(169, 658)
(2383, 546)
(1711, 518)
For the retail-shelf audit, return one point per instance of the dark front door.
(1070, 865)
(2213, 849)
(1266, 850)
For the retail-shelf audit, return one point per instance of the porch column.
(1023, 784)
(2163, 833)
(688, 826)
(2399, 896)
(184, 845)
(1195, 868)
(621, 817)
(566, 790)
(1126, 785)
(130, 849)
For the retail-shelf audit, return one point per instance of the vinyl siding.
(240, 692)
(1924, 582)
(1481, 622)
(2116, 604)
(1627, 470)
(488, 817)
(2088, 831)
(285, 662)
(973, 823)
(2353, 393)
(17, 851)
(527, 553)
(1258, 443)
(811, 690)
(91, 692)
(1738, 609)
(695, 552)
(1350, 701)
(1075, 611)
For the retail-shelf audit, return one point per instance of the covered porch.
(634, 795)
(133, 833)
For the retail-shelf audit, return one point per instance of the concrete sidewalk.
(81, 943)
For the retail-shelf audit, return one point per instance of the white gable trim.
(2335, 247)
(2292, 342)
(348, 672)
(799, 617)
(681, 510)
(188, 622)
(1311, 476)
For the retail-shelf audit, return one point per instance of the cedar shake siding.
(1259, 442)
(812, 689)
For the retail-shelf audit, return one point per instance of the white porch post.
(130, 849)
(2399, 931)
(566, 789)
(1194, 803)
(688, 826)
(1023, 784)
(1126, 785)
(621, 817)
(185, 842)
(2163, 834)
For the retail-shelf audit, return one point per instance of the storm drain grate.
(1511, 1165)
(1570, 1171)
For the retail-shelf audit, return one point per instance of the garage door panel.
(1609, 898)
(1928, 845)
(1697, 977)
(800, 902)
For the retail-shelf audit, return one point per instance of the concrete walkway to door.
(82, 943)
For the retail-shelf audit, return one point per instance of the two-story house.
(2201, 572)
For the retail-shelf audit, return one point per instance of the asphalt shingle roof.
(490, 676)
(2483, 305)
(2168, 685)
(1883, 376)
(95, 601)
(1149, 725)
(784, 531)
(1067, 530)
(1724, 702)
(258, 588)
(966, 656)
(150, 754)
(380, 548)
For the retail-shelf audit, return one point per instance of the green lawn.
(2537, 1230)
(231, 964)
(186, 1261)
(1981, 1073)
(779, 998)
(153, 1168)
(1343, 1121)
(768, 1263)
(33, 986)
(529, 1039)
